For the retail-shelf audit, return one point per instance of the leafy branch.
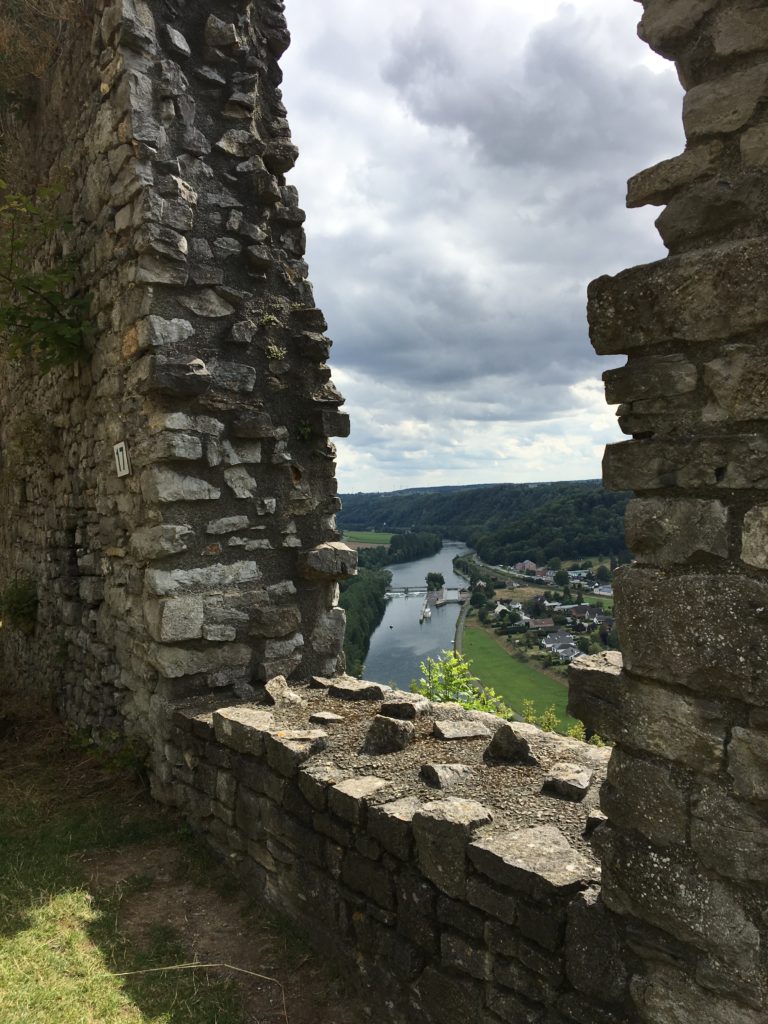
(41, 313)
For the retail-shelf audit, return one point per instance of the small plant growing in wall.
(18, 605)
(276, 352)
(41, 313)
(304, 430)
(270, 320)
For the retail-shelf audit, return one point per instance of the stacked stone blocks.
(684, 850)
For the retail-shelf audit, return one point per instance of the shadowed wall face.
(684, 856)
(207, 567)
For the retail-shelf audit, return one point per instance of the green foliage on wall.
(41, 313)
(449, 679)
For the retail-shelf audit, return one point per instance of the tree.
(435, 580)
(554, 564)
(449, 679)
(603, 574)
(562, 579)
(584, 644)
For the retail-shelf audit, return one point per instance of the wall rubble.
(684, 850)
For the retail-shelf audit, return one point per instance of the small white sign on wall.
(122, 461)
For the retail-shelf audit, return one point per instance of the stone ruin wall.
(204, 570)
(492, 892)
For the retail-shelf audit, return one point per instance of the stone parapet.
(468, 895)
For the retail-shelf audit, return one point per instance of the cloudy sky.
(463, 167)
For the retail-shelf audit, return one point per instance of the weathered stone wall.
(684, 854)
(206, 568)
(444, 855)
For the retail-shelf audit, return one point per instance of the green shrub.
(449, 679)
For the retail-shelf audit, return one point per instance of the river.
(400, 642)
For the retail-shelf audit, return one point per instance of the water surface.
(401, 642)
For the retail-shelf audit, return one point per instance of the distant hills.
(505, 523)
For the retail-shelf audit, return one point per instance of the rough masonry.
(214, 565)
(687, 794)
(467, 869)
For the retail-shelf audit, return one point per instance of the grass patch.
(512, 678)
(362, 537)
(606, 602)
(61, 944)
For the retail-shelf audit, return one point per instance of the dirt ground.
(167, 883)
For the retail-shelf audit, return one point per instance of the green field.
(606, 602)
(514, 681)
(360, 537)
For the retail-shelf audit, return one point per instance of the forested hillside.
(506, 523)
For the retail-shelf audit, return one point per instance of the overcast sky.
(463, 167)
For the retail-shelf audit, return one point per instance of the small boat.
(428, 613)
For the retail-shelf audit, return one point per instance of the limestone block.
(656, 185)
(644, 795)
(642, 715)
(703, 296)
(442, 830)
(730, 836)
(348, 799)
(387, 735)
(244, 452)
(349, 688)
(177, 41)
(740, 29)
(331, 561)
(271, 621)
(701, 631)
(368, 878)
(512, 743)
(240, 482)
(152, 542)
(158, 334)
(391, 825)
(650, 377)
(166, 485)
(209, 578)
(666, 995)
(748, 763)
(668, 889)
(666, 24)
(328, 634)
(536, 861)
(754, 146)
(288, 749)
(570, 781)
(206, 303)
(405, 705)
(129, 23)
(220, 33)
(451, 729)
(243, 728)
(738, 462)
(738, 385)
(181, 421)
(176, 618)
(595, 954)
(282, 656)
(229, 524)
(725, 104)
(666, 530)
(238, 377)
(447, 776)
(171, 445)
(174, 662)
